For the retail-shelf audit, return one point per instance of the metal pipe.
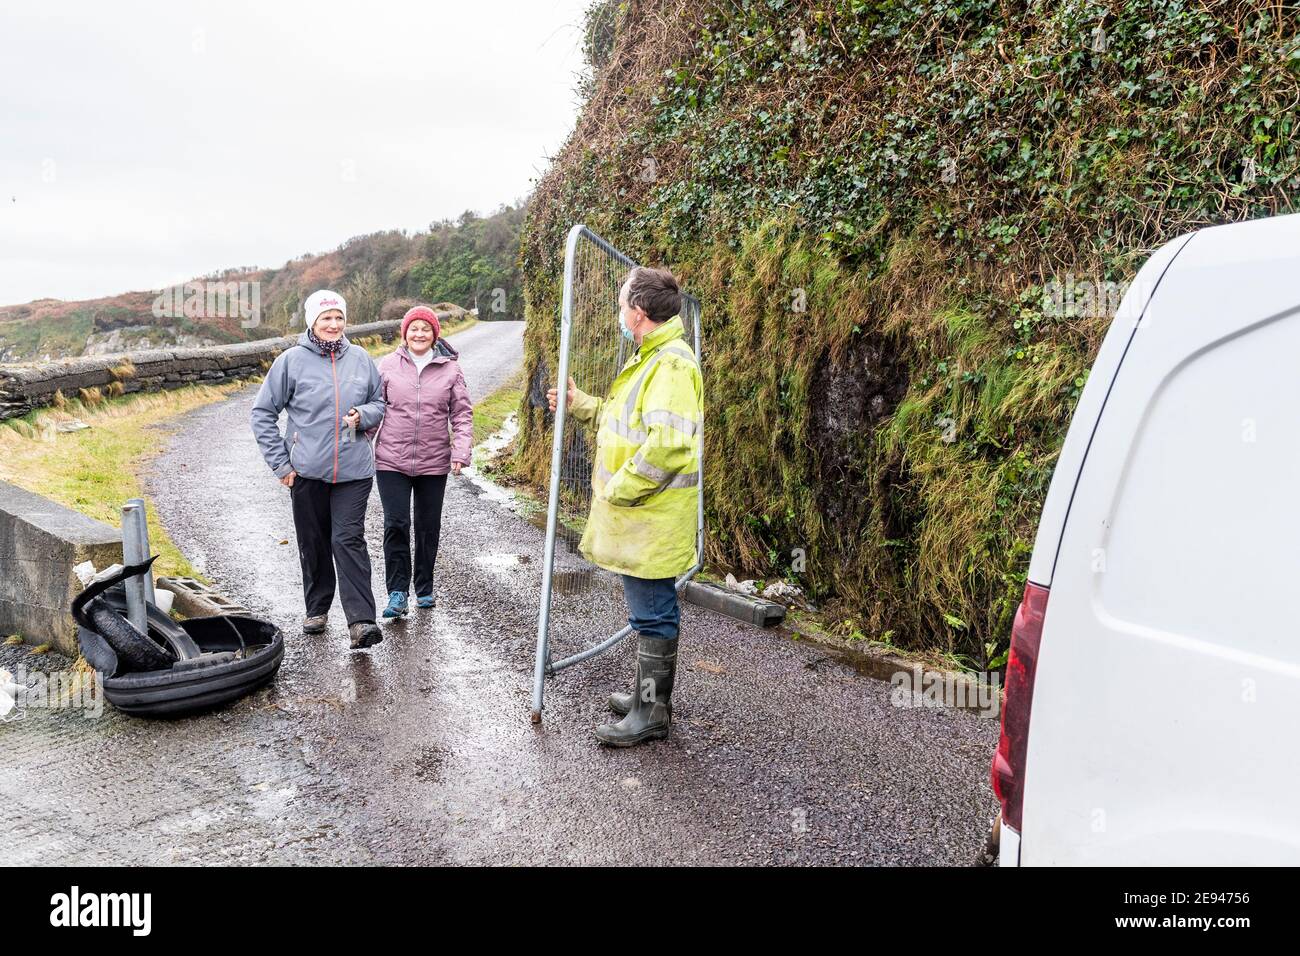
(133, 553)
(602, 244)
(592, 651)
(142, 538)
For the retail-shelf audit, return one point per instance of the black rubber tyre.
(135, 651)
(162, 629)
(98, 653)
(172, 692)
(101, 609)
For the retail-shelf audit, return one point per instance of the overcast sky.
(142, 144)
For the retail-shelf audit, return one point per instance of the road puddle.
(496, 561)
(573, 582)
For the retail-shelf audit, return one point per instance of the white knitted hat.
(323, 301)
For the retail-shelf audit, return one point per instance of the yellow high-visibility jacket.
(646, 474)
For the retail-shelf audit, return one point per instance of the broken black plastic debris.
(135, 651)
(178, 667)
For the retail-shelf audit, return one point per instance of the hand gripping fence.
(593, 351)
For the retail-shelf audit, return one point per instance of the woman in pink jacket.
(426, 432)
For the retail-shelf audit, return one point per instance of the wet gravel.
(421, 750)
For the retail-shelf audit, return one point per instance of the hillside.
(909, 223)
(456, 263)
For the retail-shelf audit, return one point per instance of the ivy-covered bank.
(909, 223)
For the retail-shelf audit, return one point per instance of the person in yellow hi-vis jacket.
(645, 483)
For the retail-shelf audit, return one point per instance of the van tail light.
(1022, 662)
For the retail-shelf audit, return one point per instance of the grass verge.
(490, 413)
(95, 470)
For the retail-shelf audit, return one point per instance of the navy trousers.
(652, 605)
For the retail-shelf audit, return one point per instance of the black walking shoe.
(651, 706)
(315, 623)
(364, 634)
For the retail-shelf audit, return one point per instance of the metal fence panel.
(592, 352)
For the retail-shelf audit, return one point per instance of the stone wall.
(27, 387)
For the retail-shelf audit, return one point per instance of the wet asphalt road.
(421, 751)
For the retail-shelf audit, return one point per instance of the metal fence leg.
(553, 500)
(142, 541)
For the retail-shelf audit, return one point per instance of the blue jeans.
(652, 605)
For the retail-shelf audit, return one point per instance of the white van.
(1152, 705)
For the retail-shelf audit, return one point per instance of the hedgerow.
(908, 222)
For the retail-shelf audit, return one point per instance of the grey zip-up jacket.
(318, 390)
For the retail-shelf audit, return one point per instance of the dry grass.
(123, 370)
(96, 470)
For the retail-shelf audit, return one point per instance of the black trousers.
(395, 490)
(331, 523)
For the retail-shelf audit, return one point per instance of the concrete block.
(40, 543)
(743, 607)
(196, 599)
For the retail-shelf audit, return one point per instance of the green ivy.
(926, 168)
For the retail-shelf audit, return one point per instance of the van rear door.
(1069, 464)
(1167, 692)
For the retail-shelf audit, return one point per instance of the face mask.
(627, 333)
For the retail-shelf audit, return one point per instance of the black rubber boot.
(620, 702)
(651, 712)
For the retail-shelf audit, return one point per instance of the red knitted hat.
(425, 313)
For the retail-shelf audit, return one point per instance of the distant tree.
(364, 295)
(472, 262)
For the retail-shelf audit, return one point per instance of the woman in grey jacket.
(331, 390)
